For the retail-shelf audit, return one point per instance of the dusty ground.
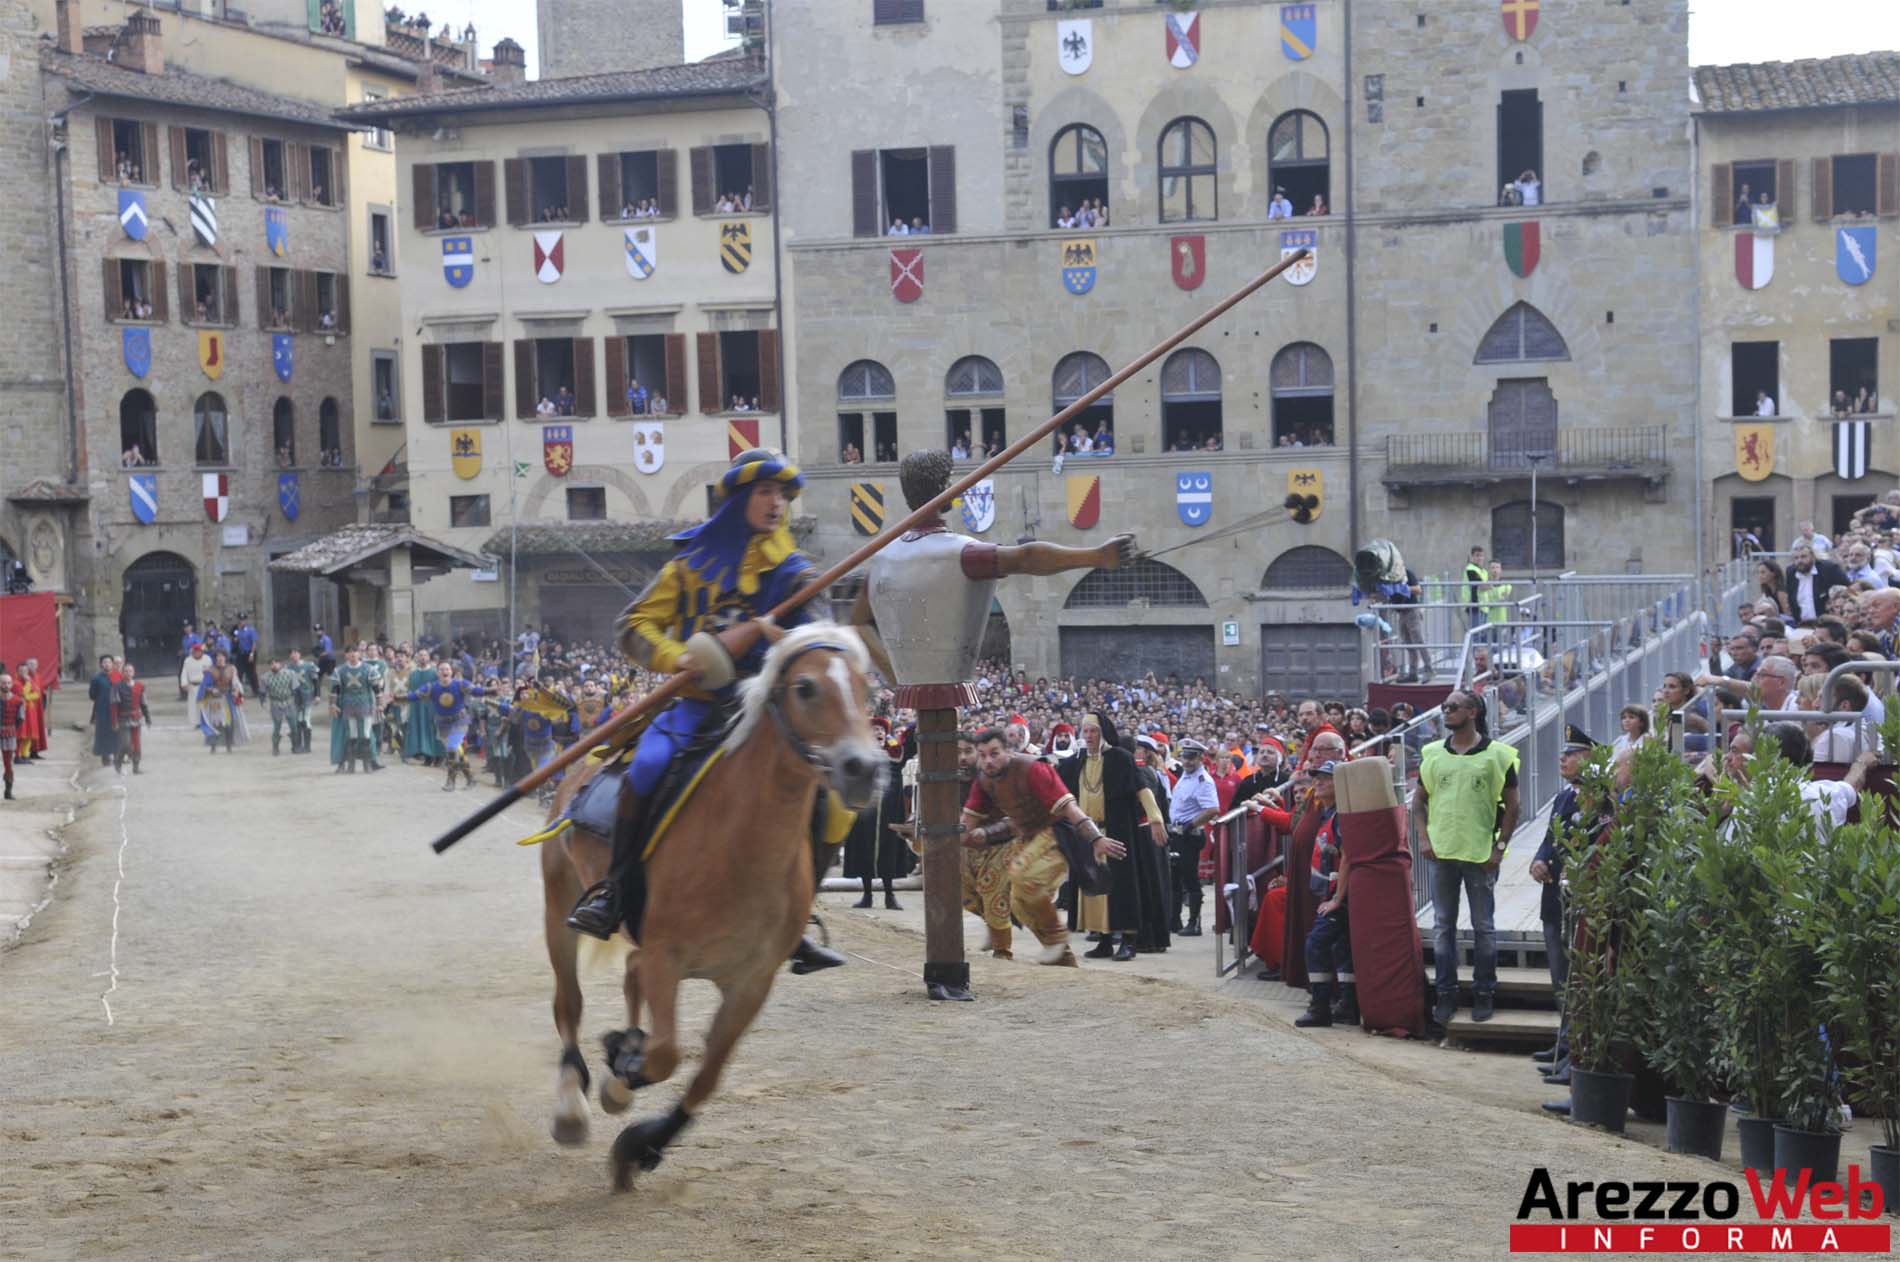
(327, 1042)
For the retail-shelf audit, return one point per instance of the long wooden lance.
(738, 640)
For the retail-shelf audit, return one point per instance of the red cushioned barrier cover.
(1386, 959)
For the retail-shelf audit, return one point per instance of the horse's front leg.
(626, 1049)
(643, 1144)
(570, 1107)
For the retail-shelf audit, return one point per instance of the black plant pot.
(1817, 1152)
(1600, 1099)
(1886, 1163)
(1758, 1144)
(1696, 1127)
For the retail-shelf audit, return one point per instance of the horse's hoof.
(615, 1094)
(632, 1149)
(570, 1131)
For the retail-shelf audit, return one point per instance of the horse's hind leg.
(644, 1143)
(625, 1052)
(570, 1108)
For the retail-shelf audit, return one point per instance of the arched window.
(864, 384)
(1511, 535)
(329, 434)
(970, 427)
(138, 429)
(1187, 171)
(1308, 568)
(1078, 172)
(1522, 333)
(1299, 161)
(1146, 581)
(1522, 421)
(283, 433)
(213, 428)
(1076, 374)
(1302, 397)
(1190, 401)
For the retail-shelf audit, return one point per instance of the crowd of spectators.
(1525, 190)
(1092, 212)
(727, 204)
(1861, 401)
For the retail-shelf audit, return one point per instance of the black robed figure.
(1110, 790)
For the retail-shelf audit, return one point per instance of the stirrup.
(596, 914)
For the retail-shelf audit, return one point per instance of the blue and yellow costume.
(447, 705)
(725, 573)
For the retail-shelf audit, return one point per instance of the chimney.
(511, 63)
(425, 74)
(142, 50)
(70, 38)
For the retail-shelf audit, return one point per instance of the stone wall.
(581, 37)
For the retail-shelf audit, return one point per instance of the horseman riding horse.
(725, 896)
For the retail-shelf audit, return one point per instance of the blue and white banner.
(138, 351)
(1194, 497)
(283, 354)
(144, 489)
(1854, 254)
(204, 219)
(132, 215)
(458, 260)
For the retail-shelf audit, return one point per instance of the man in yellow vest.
(1468, 802)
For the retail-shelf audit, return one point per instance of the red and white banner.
(1754, 259)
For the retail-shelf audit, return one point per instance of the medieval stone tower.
(580, 37)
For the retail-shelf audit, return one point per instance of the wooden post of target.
(939, 806)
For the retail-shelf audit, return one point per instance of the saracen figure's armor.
(930, 592)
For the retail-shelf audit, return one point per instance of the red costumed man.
(11, 712)
(133, 714)
(33, 711)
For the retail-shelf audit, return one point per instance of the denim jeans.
(1449, 876)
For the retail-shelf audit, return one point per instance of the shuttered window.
(894, 12)
(1521, 333)
(446, 196)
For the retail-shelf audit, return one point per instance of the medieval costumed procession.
(1155, 810)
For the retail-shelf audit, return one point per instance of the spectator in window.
(545, 407)
(1865, 401)
(898, 228)
(385, 406)
(1529, 190)
(564, 401)
(132, 458)
(125, 167)
(1509, 196)
(1101, 213)
(1085, 216)
(1765, 215)
(378, 261)
(1744, 207)
(1839, 404)
(326, 320)
(1063, 218)
(194, 177)
(1104, 439)
(636, 397)
(1079, 441)
(1764, 406)
(851, 454)
(1279, 207)
(887, 453)
(1212, 443)
(918, 228)
(660, 405)
(1319, 205)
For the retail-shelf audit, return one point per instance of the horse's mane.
(754, 692)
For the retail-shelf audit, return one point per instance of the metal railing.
(1639, 451)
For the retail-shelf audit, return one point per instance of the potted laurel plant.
(1678, 1024)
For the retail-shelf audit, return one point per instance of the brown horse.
(729, 889)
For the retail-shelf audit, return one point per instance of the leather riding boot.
(809, 957)
(597, 914)
(1193, 929)
(1346, 1011)
(1319, 1010)
(448, 783)
(9, 792)
(369, 757)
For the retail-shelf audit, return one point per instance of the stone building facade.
(588, 37)
(524, 277)
(222, 362)
(1439, 343)
(1806, 309)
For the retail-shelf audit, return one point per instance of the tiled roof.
(1859, 79)
(182, 89)
(564, 538)
(352, 545)
(704, 78)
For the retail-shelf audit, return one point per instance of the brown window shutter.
(709, 400)
(864, 217)
(228, 275)
(108, 156)
(187, 309)
(607, 175)
(485, 194)
(1721, 194)
(617, 376)
(1784, 189)
(303, 301)
(1887, 184)
(768, 370)
(150, 158)
(491, 381)
(761, 177)
(221, 159)
(943, 188)
(1821, 176)
(702, 164)
(585, 402)
(161, 308)
(296, 172)
(256, 148)
(666, 163)
(675, 372)
(342, 303)
(339, 195)
(421, 194)
(515, 181)
(115, 299)
(176, 135)
(524, 380)
(577, 189)
(432, 404)
(263, 297)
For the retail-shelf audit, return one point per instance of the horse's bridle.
(812, 755)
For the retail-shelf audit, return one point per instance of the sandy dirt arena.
(328, 1042)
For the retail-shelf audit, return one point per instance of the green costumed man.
(419, 739)
(353, 696)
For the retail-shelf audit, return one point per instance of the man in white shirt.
(1191, 805)
(1806, 533)
(1530, 188)
(1764, 406)
(1279, 207)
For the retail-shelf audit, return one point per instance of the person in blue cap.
(733, 567)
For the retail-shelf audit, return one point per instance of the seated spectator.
(378, 260)
(1634, 720)
(1319, 205)
(1678, 693)
(1860, 567)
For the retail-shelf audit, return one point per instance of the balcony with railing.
(1573, 455)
